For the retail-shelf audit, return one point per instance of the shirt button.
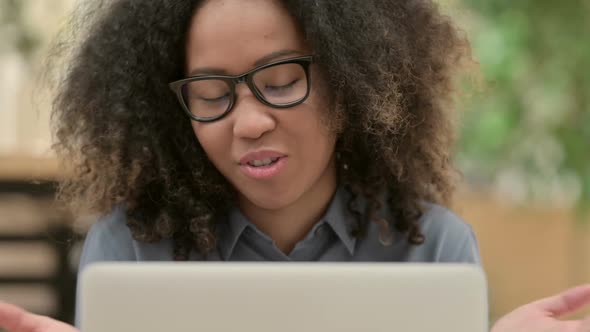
(320, 231)
(250, 233)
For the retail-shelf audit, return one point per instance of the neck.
(288, 225)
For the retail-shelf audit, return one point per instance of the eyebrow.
(265, 59)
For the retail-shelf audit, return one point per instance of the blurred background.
(524, 150)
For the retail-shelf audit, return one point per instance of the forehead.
(230, 33)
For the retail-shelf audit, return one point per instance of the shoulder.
(439, 221)
(447, 236)
(110, 239)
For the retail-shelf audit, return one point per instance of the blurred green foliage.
(528, 128)
(13, 30)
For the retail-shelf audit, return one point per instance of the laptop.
(283, 297)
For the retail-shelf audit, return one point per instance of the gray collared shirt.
(448, 239)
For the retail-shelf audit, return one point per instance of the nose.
(252, 119)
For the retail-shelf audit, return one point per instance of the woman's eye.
(281, 87)
(215, 100)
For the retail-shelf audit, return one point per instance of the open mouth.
(264, 162)
(264, 168)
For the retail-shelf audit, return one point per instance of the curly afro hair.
(389, 64)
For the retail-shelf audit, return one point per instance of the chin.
(270, 199)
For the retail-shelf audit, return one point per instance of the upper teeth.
(262, 162)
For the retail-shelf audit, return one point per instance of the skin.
(286, 206)
(543, 315)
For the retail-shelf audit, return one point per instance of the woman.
(262, 130)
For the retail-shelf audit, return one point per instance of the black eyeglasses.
(280, 84)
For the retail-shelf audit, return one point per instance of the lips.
(263, 165)
(254, 158)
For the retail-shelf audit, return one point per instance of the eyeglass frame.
(233, 80)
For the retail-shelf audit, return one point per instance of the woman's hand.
(15, 319)
(543, 315)
(539, 316)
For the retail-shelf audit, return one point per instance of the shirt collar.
(337, 216)
(231, 231)
(341, 220)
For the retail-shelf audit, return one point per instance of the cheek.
(314, 138)
(318, 118)
(322, 101)
(211, 139)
